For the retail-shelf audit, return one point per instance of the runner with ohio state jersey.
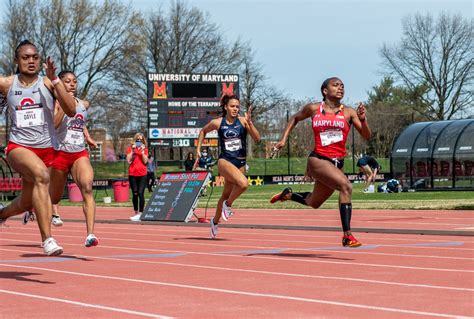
(72, 157)
(331, 122)
(30, 107)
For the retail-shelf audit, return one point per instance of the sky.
(302, 42)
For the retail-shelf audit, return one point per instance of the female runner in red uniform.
(331, 122)
(72, 157)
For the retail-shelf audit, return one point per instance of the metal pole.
(288, 141)
(353, 151)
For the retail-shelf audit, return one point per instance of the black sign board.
(176, 196)
(179, 105)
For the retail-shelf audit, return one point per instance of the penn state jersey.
(232, 139)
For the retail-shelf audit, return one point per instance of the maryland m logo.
(227, 89)
(159, 91)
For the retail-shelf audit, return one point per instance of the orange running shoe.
(281, 196)
(350, 241)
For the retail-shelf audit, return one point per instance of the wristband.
(362, 121)
(55, 81)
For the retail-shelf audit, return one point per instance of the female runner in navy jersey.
(331, 122)
(30, 102)
(232, 132)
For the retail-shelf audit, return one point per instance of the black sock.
(300, 197)
(345, 210)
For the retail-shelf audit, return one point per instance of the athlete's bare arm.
(359, 120)
(89, 140)
(66, 100)
(209, 127)
(247, 120)
(58, 114)
(307, 111)
(5, 84)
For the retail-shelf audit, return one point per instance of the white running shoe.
(56, 221)
(51, 247)
(91, 240)
(226, 211)
(214, 229)
(136, 218)
(28, 216)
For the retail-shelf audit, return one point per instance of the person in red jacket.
(137, 157)
(331, 122)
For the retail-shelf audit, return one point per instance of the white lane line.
(263, 272)
(87, 305)
(332, 247)
(271, 258)
(246, 293)
(151, 229)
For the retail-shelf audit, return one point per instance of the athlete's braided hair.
(225, 99)
(64, 72)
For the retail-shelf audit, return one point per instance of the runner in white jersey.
(30, 103)
(72, 157)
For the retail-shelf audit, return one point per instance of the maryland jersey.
(330, 133)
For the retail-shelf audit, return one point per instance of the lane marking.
(434, 245)
(273, 258)
(268, 272)
(87, 305)
(150, 230)
(244, 293)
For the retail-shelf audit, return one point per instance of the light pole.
(288, 141)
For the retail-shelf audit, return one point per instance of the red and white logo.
(27, 101)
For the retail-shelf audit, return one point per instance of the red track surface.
(153, 270)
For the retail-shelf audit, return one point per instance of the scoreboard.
(179, 105)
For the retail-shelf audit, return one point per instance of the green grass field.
(258, 166)
(259, 196)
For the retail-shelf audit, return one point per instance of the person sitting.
(205, 162)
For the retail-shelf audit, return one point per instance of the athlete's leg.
(83, 175)
(56, 190)
(234, 176)
(35, 189)
(56, 186)
(228, 187)
(331, 179)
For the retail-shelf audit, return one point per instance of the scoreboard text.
(179, 105)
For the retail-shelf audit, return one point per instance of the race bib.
(233, 145)
(30, 115)
(75, 137)
(329, 137)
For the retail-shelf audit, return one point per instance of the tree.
(92, 40)
(257, 93)
(184, 40)
(437, 55)
(390, 109)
